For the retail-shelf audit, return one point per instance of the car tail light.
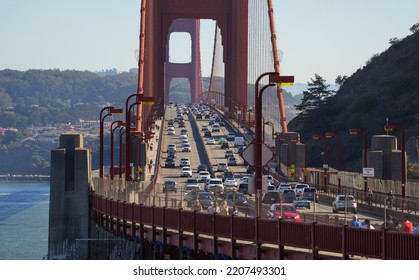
(277, 213)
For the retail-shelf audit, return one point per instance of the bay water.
(24, 215)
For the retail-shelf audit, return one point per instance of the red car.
(290, 213)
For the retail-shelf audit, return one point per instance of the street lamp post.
(337, 135)
(272, 128)
(392, 127)
(356, 131)
(249, 110)
(274, 78)
(110, 111)
(140, 99)
(118, 124)
(324, 155)
(122, 130)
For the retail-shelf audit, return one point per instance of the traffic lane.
(216, 154)
(325, 209)
(174, 173)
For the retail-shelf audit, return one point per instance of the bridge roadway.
(215, 155)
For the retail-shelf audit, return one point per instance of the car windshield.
(289, 192)
(273, 194)
(206, 196)
(215, 182)
(285, 208)
(343, 198)
(237, 196)
(191, 181)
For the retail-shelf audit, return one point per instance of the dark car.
(224, 145)
(170, 162)
(202, 167)
(206, 199)
(169, 185)
(228, 174)
(198, 116)
(271, 197)
(207, 134)
(232, 161)
(288, 196)
(236, 202)
(171, 154)
(243, 188)
(228, 153)
(310, 194)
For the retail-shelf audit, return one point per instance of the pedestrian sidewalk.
(152, 153)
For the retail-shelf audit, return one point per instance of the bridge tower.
(190, 70)
(162, 18)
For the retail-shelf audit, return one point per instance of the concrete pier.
(69, 205)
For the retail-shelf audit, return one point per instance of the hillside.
(387, 87)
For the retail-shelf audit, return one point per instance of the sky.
(325, 37)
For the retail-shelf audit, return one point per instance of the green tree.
(5, 100)
(315, 96)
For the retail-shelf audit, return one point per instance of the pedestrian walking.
(407, 225)
(214, 209)
(367, 224)
(197, 206)
(224, 208)
(355, 222)
(151, 146)
(368, 196)
(388, 224)
(150, 166)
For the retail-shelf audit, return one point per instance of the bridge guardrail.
(380, 244)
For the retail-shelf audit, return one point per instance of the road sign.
(368, 172)
(248, 154)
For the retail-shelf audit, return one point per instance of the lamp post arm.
(101, 120)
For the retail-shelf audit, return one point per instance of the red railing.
(343, 240)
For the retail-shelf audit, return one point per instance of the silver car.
(344, 202)
(170, 185)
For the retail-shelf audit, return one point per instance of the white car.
(186, 171)
(282, 187)
(184, 162)
(230, 182)
(215, 128)
(203, 176)
(171, 147)
(215, 186)
(183, 136)
(269, 178)
(192, 183)
(186, 147)
(222, 166)
(211, 141)
(299, 188)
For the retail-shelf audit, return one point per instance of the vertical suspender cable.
(140, 86)
(283, 119)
